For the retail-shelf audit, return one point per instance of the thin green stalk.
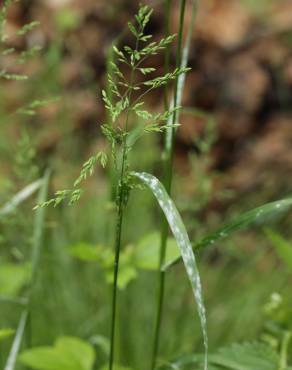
(284, 350)
(116, 272)
(167, 7)
(36, 250)
(168, 168)
(12, 357)
(119, 226)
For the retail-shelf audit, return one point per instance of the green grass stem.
(36, 250)
(168, 166)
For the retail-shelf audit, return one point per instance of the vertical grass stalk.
(181, 61)
(36, 250)
(121, 200)
(284, 350)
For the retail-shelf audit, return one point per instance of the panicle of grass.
(117, 135)
(123, 98)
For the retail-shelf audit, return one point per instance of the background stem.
(168, 168)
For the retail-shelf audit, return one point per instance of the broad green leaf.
(68, 353)
(11, 360)
(93, 253)
(85, 252)
(105, 258)
(45, 358)
(282, 247)
(181, 236)
(258, 216)
(80, 351)
(127, 273)
(13, 277)
(5, 333)
(146, 252)
(102, 342)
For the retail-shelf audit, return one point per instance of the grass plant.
(76, 272)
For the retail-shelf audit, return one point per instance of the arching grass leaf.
(179, 231)
(20, 197)
(258, 216)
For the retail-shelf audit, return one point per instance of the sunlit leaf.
(146, 252)
(85, 252)
(68, 353)
(13, 277)
(5, 333)
(179, 231)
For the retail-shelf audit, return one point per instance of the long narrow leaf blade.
(258, 216)
(20, 197)
(10, 364)
(179, 231)
(182, 76)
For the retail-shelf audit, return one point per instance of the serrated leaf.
(68, 353)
